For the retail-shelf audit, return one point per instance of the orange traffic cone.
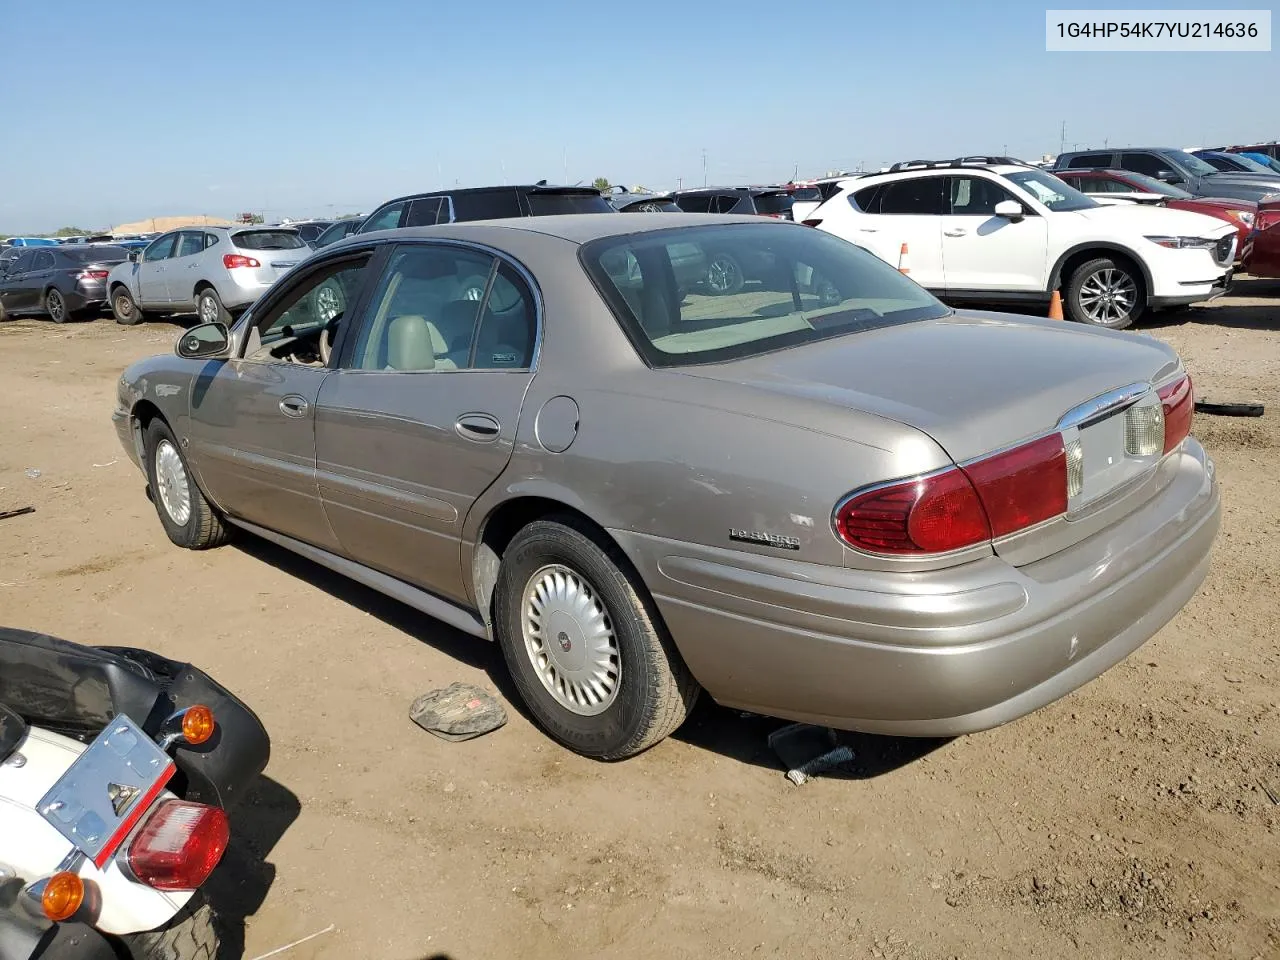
(903, 265)
(1055, 306)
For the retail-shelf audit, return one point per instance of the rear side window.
(920, 196)
(268, 240)
(487, 205)
(551, 204)
(776, 204)
(732, 203)
(867, 199)
(44, 261)
(1087, 160)
(695, 203)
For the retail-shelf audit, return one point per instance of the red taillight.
(957, 507)
(1179, 401)
(179, 845)
(92, 275)
(233, 260)
(1023, 486)
(812, 222)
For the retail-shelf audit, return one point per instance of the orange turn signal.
(197, 724)
(63, 895)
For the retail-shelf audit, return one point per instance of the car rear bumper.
(933, 654)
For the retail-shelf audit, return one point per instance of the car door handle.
(294, 406)
(479, 427)
(954, 233)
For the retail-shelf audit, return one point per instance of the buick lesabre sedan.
(824, 496)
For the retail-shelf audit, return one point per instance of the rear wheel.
(724, 275)
(190, 935)
(1105, 293)
(588, 652)
(209, 307)
(187, 517)
(124, 308)
(56, 306)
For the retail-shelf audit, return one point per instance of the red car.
(1138, 187)
(1262, 254)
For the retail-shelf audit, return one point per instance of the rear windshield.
(268, 240)
(706, 294)
(775, 203)
(553, 204)
(652, 206)
(89, 253)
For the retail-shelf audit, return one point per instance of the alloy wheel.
(1108, 296)
(57, 306)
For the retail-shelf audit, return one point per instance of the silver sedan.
(822, 496)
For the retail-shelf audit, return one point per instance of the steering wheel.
(327, 338)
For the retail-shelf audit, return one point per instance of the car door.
(905, 210)
(182, 270)
(983, 252)
(38, 279)
(14, 289)
(152, 270)
(253, 417)
(421, 416)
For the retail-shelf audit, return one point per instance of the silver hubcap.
(328, 303)
(208, 310)
(1108, 296)
(722, 275)
(570, 640)
(171, 481)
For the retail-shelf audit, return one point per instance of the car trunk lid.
(276, 250)
(981, 383)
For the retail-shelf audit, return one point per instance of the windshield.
(706, 294)
(1151, 185)
(775, 204)
(1196, 165)
(1052, 192)
(268, 240)
(1251, 164)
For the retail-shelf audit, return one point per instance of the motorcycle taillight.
(179, 845)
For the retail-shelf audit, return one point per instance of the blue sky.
(121, 111)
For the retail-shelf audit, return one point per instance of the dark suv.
(761, 201)
(1173, 166)
(484, 203)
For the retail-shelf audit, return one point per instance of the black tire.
(724, 275)
(3, 313)
(55, 305)
(202, 528)
(124, 308)
(191, 935)
(655, 690)
(209, 308)
(1081, 303)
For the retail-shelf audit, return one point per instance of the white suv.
(994, 229)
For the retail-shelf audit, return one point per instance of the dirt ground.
(1137, 818)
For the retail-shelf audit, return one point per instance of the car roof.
(712, 191)
(575, 228)
(526, 187)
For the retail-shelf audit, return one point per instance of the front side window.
(303, 326)
(388, 218)
(161, 249)
(1148, 163)
(790, 286)
(1140, 181)
(440, 308)
(1054, 193)
(975, 196)
(915, 196)
(487, 204)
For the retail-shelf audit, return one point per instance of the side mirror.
(1009, 210)
(204, 341)
(135, 256)
(1168, 176)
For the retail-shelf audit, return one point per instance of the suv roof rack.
(973, 161)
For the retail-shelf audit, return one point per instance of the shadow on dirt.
(745, 738)
(240, 884)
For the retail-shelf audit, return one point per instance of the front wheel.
(124, 308)
(1105, 293)
(190, 935)
(585, 645)
(187, 517)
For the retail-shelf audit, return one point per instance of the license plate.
(101, 797)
